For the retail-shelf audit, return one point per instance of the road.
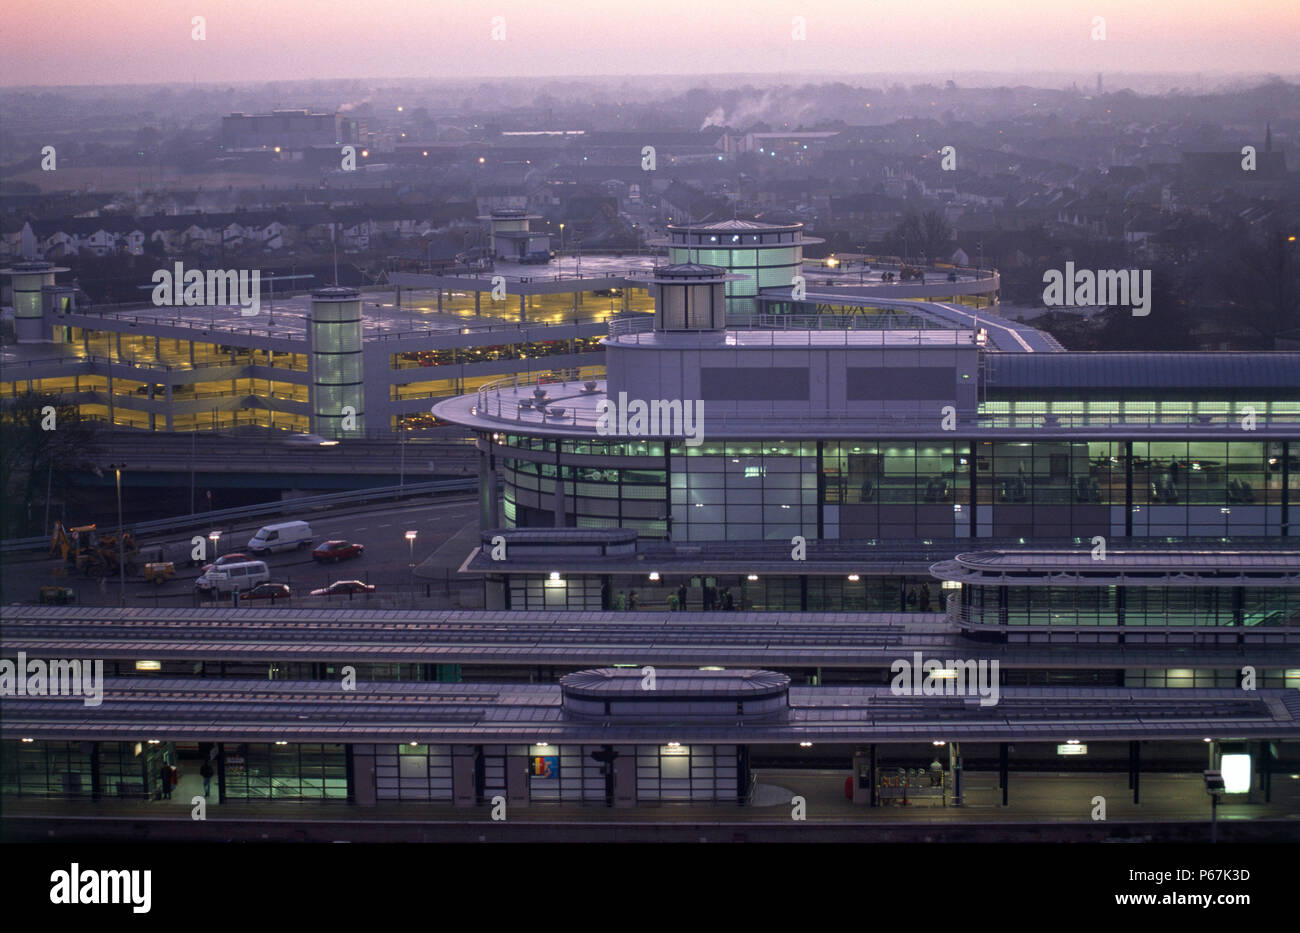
(381, 529)
(445, 454)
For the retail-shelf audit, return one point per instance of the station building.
(933, 423)
(598, 737)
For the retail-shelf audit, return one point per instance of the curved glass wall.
(919, 489)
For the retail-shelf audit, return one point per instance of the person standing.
(925, 598)
(681, 596)
(631, 600)
(165, 777)
(205, 772)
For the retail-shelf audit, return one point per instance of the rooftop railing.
(502, 401)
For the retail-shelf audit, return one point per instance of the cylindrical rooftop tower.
(337, 372)
(762, 255)
(30, 279)
(690, 297)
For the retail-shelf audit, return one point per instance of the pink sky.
(139, 41)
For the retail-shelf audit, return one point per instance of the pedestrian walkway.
(1034, 798)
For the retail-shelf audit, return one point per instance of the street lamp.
(117, 469)
(561, 240)
(214, 537)
(410, 539)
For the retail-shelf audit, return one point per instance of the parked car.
(344, 588)
(271, 591)
(336, 551)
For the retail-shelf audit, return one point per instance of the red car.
(344, 588)
(336, 551)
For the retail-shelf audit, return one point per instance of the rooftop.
(570, 408)
(1187, 567)
(315, 711)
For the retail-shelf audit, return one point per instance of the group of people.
(918, 598)
(711, 599)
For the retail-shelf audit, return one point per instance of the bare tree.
(41, 437)
(928, 233)
(1262, 287)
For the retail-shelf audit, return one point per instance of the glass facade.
(745, 491)
(1131, 605)
(916, 489)
(264, 771)
(70, 769)
(413, 772)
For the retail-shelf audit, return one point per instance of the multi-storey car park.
(418, 338)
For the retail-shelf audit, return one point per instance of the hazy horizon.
(152, 42)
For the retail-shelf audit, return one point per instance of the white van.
(282, 537)
(240, 576)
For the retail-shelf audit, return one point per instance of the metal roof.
(752, 226)
(612, 682)
(1213, 568)
(842, 640)
(1130, 370)
(292, 711)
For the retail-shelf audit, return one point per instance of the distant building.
(290, 129)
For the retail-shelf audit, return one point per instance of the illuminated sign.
(1236, 773)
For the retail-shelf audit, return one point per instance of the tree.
(40, 436)
(1170, 325)
(928, 233)
(1262, 286)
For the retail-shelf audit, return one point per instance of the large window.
(286, 772)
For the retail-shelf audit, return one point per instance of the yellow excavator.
(93, 554)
